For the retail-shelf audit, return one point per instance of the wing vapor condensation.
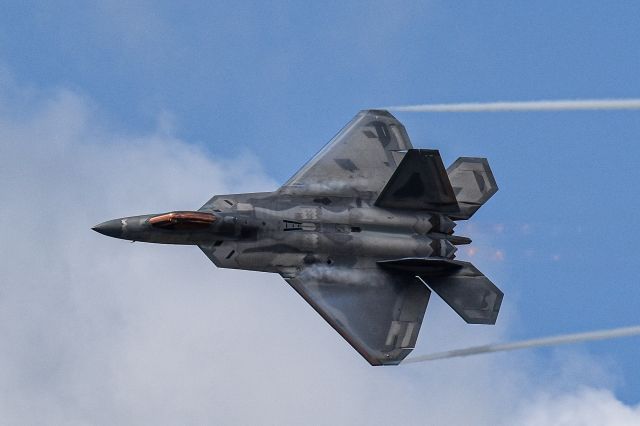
(543, 105)
(533, 343)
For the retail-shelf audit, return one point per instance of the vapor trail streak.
(533, 343)
(557, 105)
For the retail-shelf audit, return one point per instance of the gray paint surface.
(363, 232)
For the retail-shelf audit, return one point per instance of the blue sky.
(266, 85)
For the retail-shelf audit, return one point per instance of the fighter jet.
(364, 232)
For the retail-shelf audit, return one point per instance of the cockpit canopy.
(183, 220)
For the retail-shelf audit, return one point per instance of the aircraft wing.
(378, 312)
(358, 161)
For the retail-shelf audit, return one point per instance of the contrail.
(533, 343)
(557, 105)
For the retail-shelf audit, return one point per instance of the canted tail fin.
(419, 182)
(460, 284)
(473, 184)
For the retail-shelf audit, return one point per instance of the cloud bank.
(101, 331)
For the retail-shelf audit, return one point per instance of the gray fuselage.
(273, 233)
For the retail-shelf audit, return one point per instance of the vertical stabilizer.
(419, 182)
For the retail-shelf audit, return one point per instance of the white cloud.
(101, 331)
(585, 407)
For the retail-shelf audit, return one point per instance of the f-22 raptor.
(363, 232)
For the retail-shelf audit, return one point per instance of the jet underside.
(363, 232)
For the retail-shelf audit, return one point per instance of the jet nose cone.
(110, 228)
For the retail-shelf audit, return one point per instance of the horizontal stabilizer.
(473, 184)
(476, 299)
(419, 182)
